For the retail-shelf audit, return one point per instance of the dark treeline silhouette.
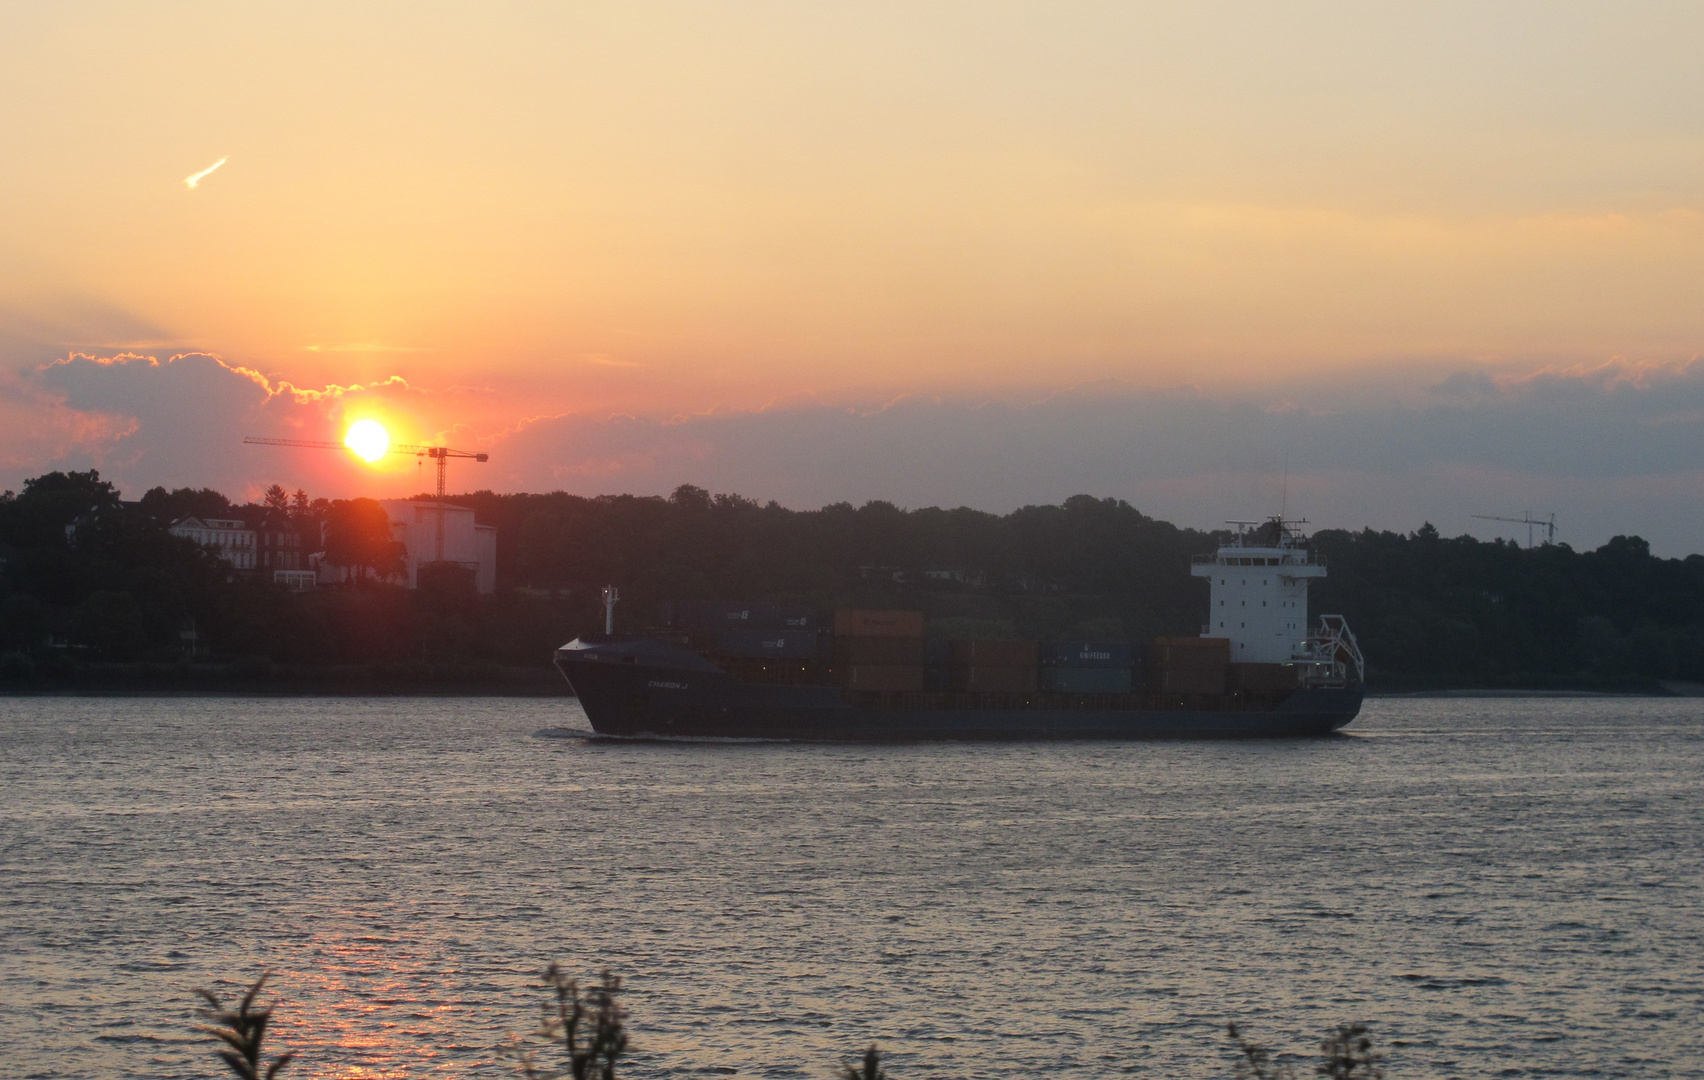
(99, 579)
(1432, 611)
(88, 581)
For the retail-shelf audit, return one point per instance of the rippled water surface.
(1500, 887)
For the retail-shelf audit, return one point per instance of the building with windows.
(285, 548)
(230, 538)
(267, 543)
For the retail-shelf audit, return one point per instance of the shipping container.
(770, 642)
(1261, 677)
(1086, 680)
(995, 679)
(1013, 654)
(878, 650)
(1189, 652)
(857, 622)
(1088, 654)
(896, 678)
(728, 613)
(937, 663)
(799, 619)
(1187, 680)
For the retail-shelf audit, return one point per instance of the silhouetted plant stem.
(1345, 1054)
(1254, 1062)
(1348, 1054)
(872, 1069)
(591, 1056)
(243, 1030)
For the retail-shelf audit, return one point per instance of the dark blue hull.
(645, 689)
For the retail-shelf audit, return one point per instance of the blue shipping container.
(726, 613)
(1086, 680)
(1089, 654)
(760, 644)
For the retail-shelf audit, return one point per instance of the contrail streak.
(192, 181)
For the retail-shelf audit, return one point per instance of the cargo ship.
(758, 671)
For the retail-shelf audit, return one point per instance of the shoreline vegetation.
(586, 1031)
(358, 681)
(259, 677)
(97, 595)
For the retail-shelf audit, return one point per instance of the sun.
(368, 438)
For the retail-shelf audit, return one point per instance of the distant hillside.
(89, 578)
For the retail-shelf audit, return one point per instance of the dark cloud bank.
(1618, 449)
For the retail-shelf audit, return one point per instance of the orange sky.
(536, 210)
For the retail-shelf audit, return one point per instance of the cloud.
(1615, 447)
(143, 421)
(47, 326)
(1614, 420)
(193, 181)
(362, 347)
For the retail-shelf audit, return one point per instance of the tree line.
(106, 577)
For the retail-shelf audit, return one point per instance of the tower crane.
(1546, 523)
(440, 454)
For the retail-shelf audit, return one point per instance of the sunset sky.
(1379, 264)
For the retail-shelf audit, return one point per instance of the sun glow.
(368, 438)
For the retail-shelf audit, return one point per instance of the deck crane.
(1531, 522)
(440, 454)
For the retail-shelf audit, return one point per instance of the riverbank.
(259, 676)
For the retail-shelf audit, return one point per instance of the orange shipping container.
(995, 680)
(899, 678)
(878, 650)
(1187, 681)
(993, 654)
(1261, 677)
(1188, 652)
(854, 622)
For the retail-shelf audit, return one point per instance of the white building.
(296, 580)
(1259, 594)
(230, 538)
(465, 543)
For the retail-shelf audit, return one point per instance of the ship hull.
(647, 690)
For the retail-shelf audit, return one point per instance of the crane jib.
(440, 454)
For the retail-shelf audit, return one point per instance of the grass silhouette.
(586, 1032)
(587, 1053)
(872, 1069)
(242, 1030)
(1345, 1054)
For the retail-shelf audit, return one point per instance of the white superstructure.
(1259, 592)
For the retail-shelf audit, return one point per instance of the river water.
(1499, 887)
